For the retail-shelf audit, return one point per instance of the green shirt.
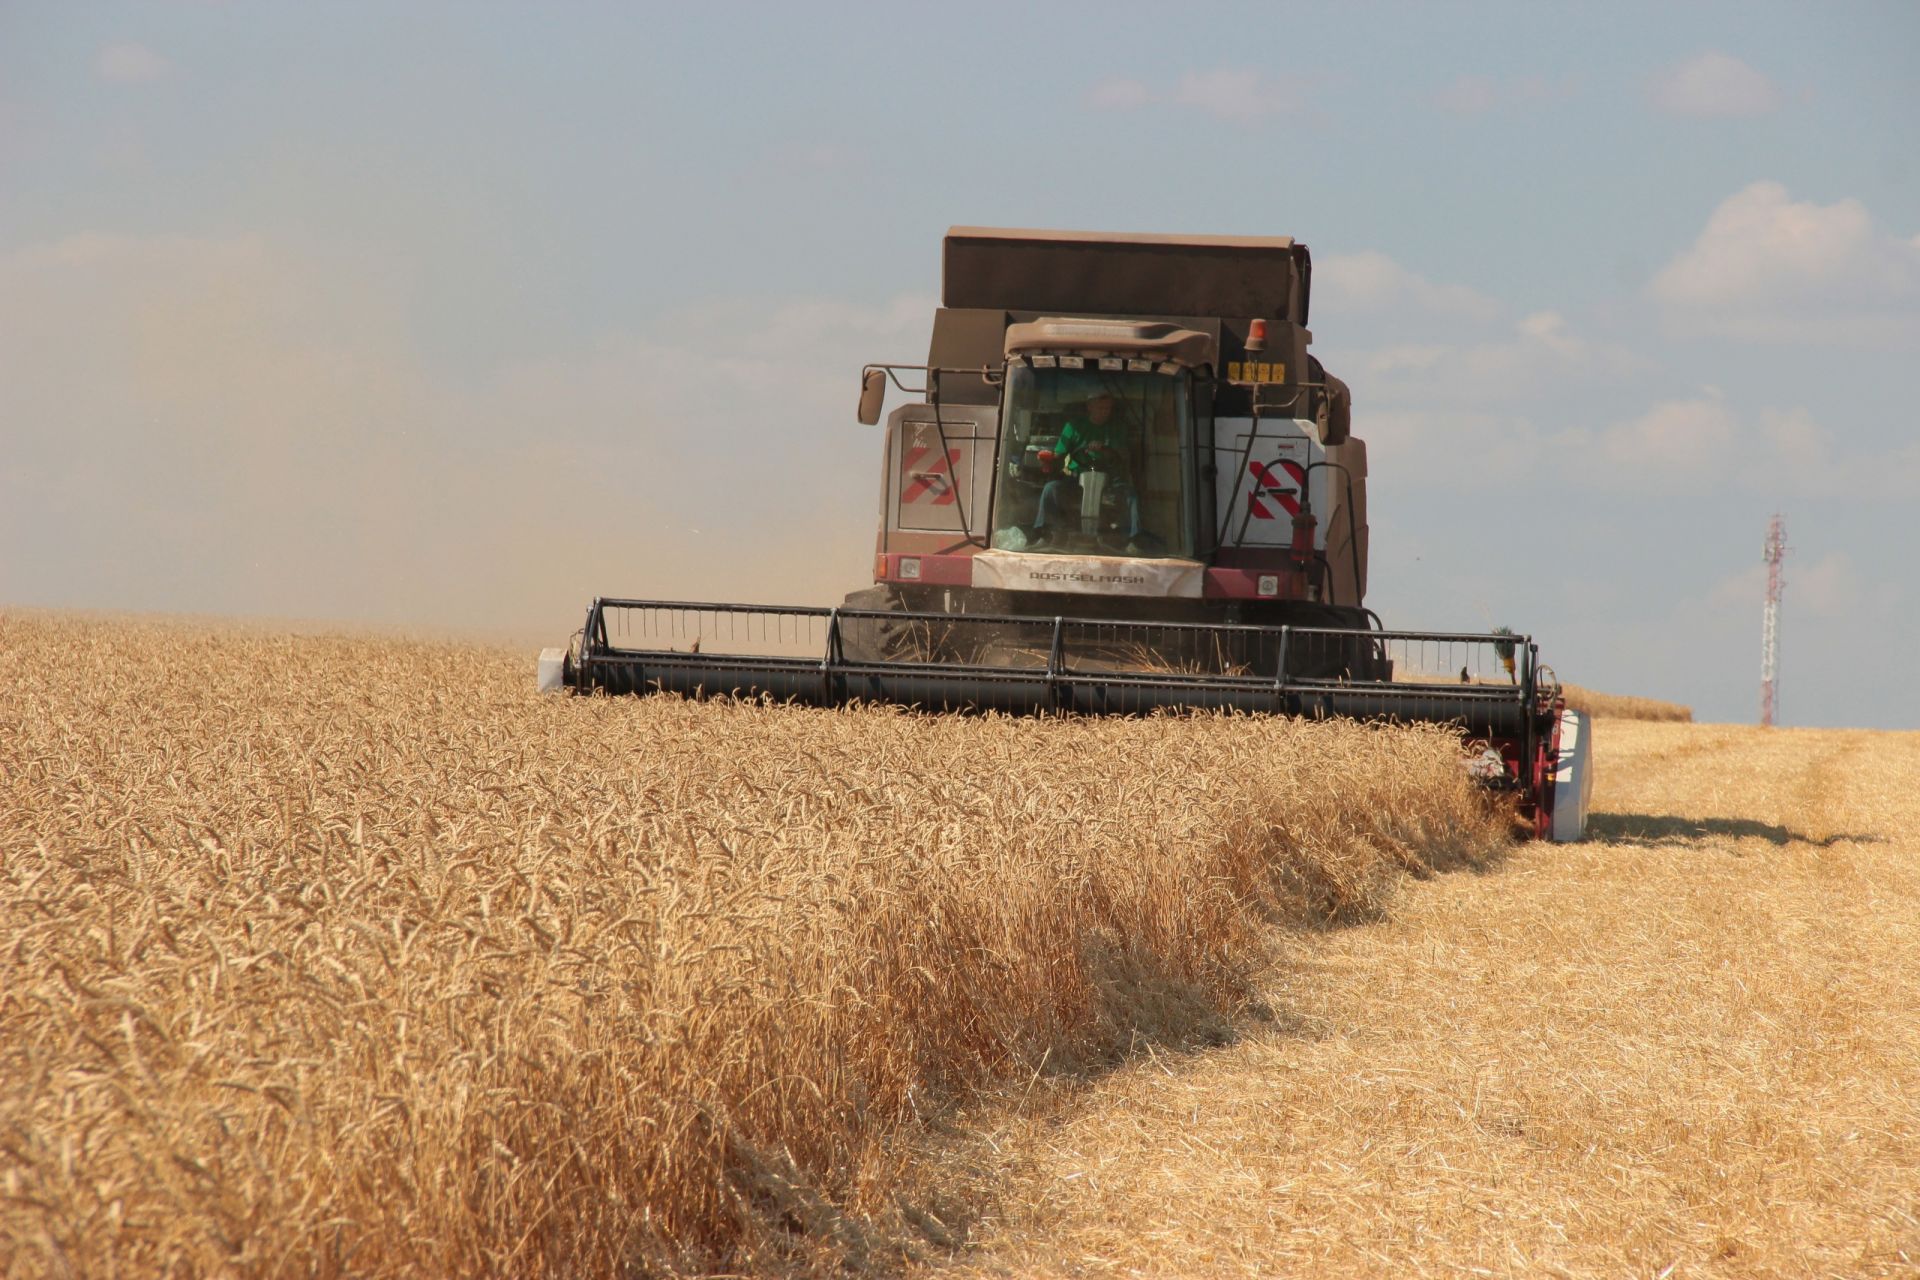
(1081, 444)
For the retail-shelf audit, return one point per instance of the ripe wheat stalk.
(1624, 706)
(337, 956)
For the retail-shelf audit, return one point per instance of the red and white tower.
(1770, 621)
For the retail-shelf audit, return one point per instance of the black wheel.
(876, 639)
(1357, 658)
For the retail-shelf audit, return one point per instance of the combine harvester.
(1123, 484)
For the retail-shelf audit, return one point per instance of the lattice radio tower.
(1770, 621)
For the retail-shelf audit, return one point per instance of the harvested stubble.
(334, 956)
(1689, 1046)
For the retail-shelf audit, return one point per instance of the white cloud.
(1228, 93)
(1760, 244)
(1742, 590)
(1792, 451)
(1679, 441)
(1702, 444)
(130, 64)
(1119, 95)
(1459, 448)
(1540, 355)
(1549, 330)
(1769, 267)
(1234, 94)
(1698, 445)
(1832, 586)
(1471, 95)
(1714, 84)
(1675, 446)
(1373, 282)
(1468, 96)
(1829, 587)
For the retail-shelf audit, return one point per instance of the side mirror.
(1336, 413)
(873, 391)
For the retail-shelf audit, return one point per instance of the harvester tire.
(876, 639)
(1351, 658)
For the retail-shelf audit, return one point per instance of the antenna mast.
(1776, 551)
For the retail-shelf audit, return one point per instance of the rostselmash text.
(1104, 579)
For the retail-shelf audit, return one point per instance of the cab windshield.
(1095, 462)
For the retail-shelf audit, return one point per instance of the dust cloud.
(225, 426)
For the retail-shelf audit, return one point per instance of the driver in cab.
(1094, 445)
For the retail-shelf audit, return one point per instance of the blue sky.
(454, 315)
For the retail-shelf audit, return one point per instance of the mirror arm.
(992, 374)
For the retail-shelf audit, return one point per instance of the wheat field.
(331, 956)
(1611, 706)
(1620, 706)
(1689, 1046)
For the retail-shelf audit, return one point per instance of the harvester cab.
(1131, 426)
(1119, 483)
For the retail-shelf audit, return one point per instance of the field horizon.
(525, 642)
